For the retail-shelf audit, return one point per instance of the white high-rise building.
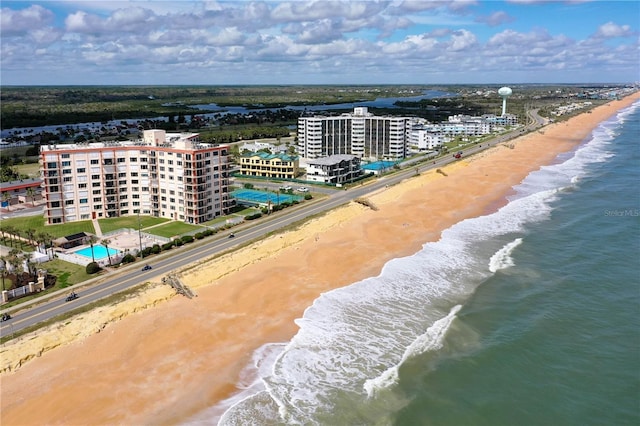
(361, 134)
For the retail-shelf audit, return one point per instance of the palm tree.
(92, 239)
(31, 193)
(31, 235)
(106, 243)
(4, 271)
(45, 238)
(10, 230)
(6, 196)
(14, 259)
(18, 234)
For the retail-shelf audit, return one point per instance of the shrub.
(178, 242)
(155, 249)
(186, 239)
(308, 196)
(92, 268)
(199, 236)
(167, 246)
(253, 216)
(128, 258)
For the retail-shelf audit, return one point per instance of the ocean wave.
(502, 259)
(432, 340)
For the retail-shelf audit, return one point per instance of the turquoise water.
(99, 252)
(379, 165)
(527, 316)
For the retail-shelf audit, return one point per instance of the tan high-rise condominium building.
(170, 175)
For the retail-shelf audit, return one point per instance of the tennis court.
(263, 197)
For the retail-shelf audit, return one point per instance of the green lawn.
(67, 273)
(30, 169)
(36, 223)
(112, 224)
(173, 229)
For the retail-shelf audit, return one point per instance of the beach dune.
(165, 364)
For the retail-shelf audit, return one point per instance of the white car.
(303, 189)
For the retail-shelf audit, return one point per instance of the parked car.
(303, 189)
(285, 188)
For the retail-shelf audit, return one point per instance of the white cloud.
(495, 19)
(384, 39)
(611, 30)
(13, 22)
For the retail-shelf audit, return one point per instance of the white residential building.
(426, 139)
(335, 169)
(169, 175)
(361, 134)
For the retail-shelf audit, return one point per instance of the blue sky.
(319, 42)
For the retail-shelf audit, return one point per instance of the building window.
(95, 161)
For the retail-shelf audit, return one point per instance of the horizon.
(578, 84)
(328, 43)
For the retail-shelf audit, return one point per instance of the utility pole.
(140, 235)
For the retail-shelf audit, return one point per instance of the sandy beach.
(159, 358)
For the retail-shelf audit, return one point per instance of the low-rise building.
(20, 191)
(335, 169)
(262, 164)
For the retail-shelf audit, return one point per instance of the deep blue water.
(526, 316)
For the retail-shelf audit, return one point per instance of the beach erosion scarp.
(184, 355)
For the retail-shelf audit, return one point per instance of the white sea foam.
(432, 340)
(352, 340)
(502, 259)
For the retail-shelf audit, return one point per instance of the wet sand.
(129, 365)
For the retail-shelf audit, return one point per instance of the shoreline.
(166, 364)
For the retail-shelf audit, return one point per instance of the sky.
(150, 42)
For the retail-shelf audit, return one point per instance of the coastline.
(162, 365)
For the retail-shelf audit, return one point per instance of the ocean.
(526, 316)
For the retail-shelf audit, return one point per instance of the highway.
(130, 276)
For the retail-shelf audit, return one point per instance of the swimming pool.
(379, 165)
(99, 252)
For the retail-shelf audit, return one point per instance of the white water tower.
(504, 92)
